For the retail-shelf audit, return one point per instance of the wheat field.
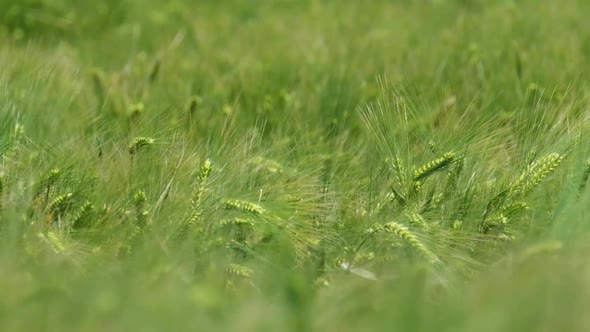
(294, 165)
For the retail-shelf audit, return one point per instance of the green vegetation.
(294, 165)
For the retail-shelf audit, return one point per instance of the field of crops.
(294, 165)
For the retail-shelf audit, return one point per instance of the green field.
(294, 165)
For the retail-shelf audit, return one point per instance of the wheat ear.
(534, 174)
(507, 200)
(47, 182)
(197, 199)
(237, 222)
(404, 233)
(138, 143)
(244, 206)
(141, 213)
(53, 241)
(59, 206)
(434, 166)
(81, 215)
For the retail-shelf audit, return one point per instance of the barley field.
(294, 165)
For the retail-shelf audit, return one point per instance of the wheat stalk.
(193, 105)
(1, 188)
(585, 177)
(155, 70)
(452, 179)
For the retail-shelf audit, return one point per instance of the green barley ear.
(434, 166)
(290, 198)
(141, 213)
(236, 272)
(244, 206)
(140, 222)
(386, 200)
(59, 206)
(80, 218)
(397, 195)
(416, 219)
(236, 222)
(47, 182)
(397, 167)
(507, 200)
(197, 199)
(267, 165)
(500, 219)
(585, 177)
(534, 174)
(239, 228)
(414, 191)
(405, 234)
(138, 143)
(513, 208)
(53, 241)
(453, 177)
(494, 204)
(239, 271)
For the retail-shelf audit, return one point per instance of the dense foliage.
(294, 165)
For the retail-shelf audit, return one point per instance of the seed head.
(138, 143)
(244, 206)
(436, 165)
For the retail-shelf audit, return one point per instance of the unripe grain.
(434, 166)
(138, 143)
(244, 206)
(404, 233)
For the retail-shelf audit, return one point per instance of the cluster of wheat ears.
(435, 212)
